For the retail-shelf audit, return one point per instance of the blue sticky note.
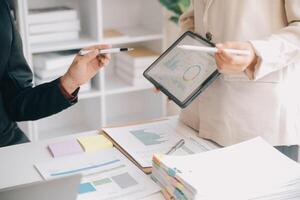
(86, 188)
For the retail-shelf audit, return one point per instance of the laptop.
(59, 189)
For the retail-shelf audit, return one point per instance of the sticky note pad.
(94, 143)
(65, 148)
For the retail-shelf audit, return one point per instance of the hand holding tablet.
(182, 75)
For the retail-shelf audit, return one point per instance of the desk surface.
(17, 162)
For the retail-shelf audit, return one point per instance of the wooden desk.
(17, 162)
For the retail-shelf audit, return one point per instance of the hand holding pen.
(84, 68)
(86, 64)
(229, 63)
(231, 57)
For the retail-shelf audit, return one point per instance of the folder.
(139, 141)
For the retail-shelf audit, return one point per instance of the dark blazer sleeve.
(23, 101)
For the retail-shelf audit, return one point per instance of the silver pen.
(178, 145)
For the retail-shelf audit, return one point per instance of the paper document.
(107, 174)
(143, 140)
(249, 170)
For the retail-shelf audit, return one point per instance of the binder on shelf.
(61, 26)
(51, 14)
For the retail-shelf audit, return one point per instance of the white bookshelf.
(110, 101)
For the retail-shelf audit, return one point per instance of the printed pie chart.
(191, 72)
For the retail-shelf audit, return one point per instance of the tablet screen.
(181, 71)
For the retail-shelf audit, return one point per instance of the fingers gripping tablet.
(182, 74)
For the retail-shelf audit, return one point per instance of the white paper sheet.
(107, 175)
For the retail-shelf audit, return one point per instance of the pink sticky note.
(65, 148)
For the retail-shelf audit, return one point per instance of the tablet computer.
(183, 74)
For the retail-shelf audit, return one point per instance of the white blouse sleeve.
(281, 48)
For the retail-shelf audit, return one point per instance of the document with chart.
(106, 174)
(141, 141)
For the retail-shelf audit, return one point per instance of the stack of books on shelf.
(53, 24)
(249, 170)
(49, 66)
(131, 65)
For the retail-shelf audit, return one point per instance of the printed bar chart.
(147, 137)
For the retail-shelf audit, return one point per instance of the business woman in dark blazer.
(19, 100)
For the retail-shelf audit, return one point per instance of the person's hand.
(84, 68)
(231, 63)
(157, 91)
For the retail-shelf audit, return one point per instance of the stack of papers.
(131, 65)
(249, 170)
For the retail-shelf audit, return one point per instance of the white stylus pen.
(213, 49)
(103, 51)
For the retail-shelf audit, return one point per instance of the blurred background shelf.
(115, 85)
(111, 100)
(93, 93)
(134, 34)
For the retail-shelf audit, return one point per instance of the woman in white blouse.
(257, 95)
